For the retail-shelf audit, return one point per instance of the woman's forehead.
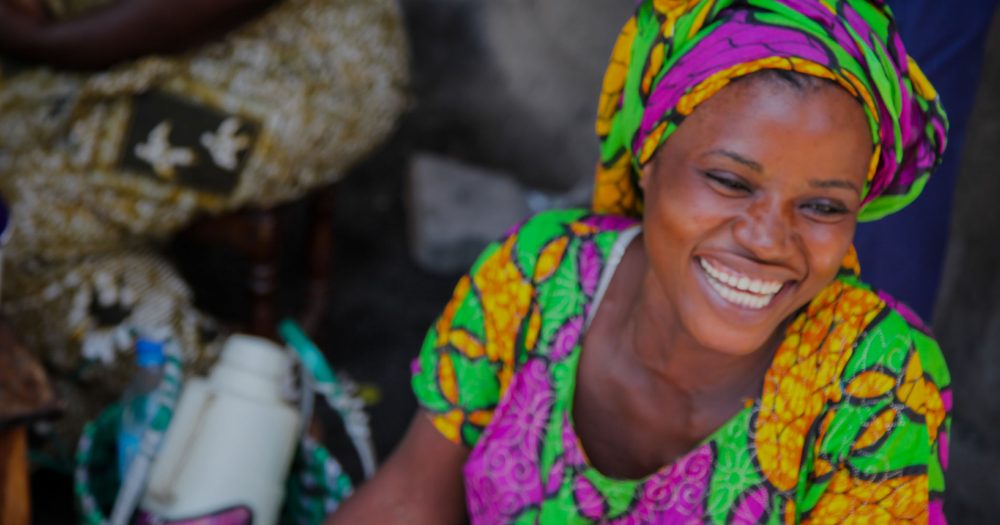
(759, 121)
(769, 105)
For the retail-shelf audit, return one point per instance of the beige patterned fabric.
(98, 168)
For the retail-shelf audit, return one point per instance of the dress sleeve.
(468, 356)
(881, 452)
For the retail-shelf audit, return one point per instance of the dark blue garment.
(903, 254)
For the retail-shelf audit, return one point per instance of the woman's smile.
(745, 291)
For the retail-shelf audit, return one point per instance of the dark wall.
(512, 84)
(968, 310)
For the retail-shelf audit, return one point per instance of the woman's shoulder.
(886, 401)
(892, 339)
(551, 229)
(571, 222)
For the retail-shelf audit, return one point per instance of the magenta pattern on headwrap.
(672, 55)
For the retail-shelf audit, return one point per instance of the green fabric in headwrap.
(673, 55)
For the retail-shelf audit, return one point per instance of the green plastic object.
(310, 355)
(338, 391)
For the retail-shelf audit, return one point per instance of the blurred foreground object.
(252, 370)
(231, 440)
(25, 396)
(102, 167)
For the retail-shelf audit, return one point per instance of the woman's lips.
(739, 289)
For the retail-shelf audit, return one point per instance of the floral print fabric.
(851, 425)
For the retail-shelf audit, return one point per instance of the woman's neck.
(669, 353)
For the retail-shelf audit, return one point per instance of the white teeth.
(740, 298)
(735, 288)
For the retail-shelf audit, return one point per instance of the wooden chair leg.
(265, 259)
(256, 233)
(319, 259)
(15, 500)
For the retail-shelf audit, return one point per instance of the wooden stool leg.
(265, 259)
(15, 500)
(319, 259)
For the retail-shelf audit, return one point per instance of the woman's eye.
(826, 209)
(729, 184)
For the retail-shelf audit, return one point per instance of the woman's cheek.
(830, 246)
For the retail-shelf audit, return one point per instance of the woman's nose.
(765, 230)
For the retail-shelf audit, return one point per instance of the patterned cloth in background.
(98, 167)
(851, 425)
(674, 54)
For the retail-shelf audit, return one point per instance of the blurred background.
(502, 95)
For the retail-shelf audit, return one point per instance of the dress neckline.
(618, 249)
(621, 244)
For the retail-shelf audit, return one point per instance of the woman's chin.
(735, 325)
(734, 343)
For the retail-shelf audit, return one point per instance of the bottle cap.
(256, 355)
(149, 353)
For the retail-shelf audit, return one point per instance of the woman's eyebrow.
(835, 183)
(738, 158)
(755, 166)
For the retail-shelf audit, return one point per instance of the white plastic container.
(231, 441)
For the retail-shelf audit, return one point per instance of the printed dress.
(852, 423)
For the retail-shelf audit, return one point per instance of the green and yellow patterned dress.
(851, 424)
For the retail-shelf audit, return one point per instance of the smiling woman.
(761, 185)
(699, 347)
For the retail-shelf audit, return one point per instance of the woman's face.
(751, 205)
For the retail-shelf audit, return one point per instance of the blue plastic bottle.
(137, 402)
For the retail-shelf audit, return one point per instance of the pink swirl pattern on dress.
(751, 507)
(566, 338)
(501, 474)
(589, 501)
(675, 494)
(571, 447)
(590, 265)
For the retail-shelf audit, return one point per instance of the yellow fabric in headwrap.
(673, 55)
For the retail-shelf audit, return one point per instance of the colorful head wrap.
(674, 54)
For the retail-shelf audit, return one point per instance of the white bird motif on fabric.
(225, 144)
(161, 155)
